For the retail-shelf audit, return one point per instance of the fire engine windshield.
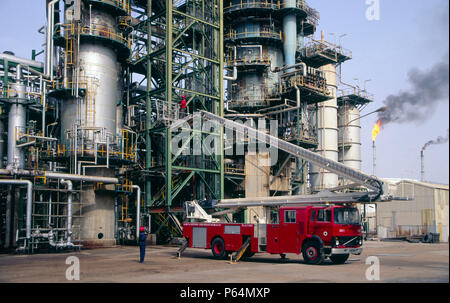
(346, 216)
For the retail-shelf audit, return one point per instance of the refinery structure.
(88, 123)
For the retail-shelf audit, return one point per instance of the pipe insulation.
(290, 34)
(138, 210)
(53, 175)
(69, 209)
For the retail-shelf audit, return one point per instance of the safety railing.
(129, 145)
(312, 79)
(316, 47)
(12, 92)
(313, 14)
(248, 60)
(168, 113)
(248, 96)
(232, 35)
(122, 4)
(234, 169)
(245, 4)
(356, 91)
(105, 32)
(63, 151)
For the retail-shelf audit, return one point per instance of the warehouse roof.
(426, 184)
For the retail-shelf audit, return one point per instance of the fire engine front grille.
(349, 241)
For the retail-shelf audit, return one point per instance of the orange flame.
(376, 130)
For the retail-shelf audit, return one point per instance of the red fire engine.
(316, 232)
(313, 229)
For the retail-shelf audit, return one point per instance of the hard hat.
(142, 228)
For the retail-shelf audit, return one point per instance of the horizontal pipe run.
(53, 175)
(24, 62)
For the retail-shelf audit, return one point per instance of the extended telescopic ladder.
(374, 185)
(342, 170)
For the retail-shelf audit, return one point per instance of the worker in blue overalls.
(142, 243)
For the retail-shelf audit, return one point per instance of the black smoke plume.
(428, 88)
(439, 140)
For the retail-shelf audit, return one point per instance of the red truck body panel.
(232, 234)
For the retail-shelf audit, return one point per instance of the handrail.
(260, 34)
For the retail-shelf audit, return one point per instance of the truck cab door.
(289, 232)
(322, 226)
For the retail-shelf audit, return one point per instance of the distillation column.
(89, 116)
(327, 127)
(350, 136)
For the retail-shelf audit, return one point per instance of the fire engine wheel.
(339, 259)
(312, 253)
(218, 248)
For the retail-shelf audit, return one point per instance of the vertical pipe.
(116, 221)
(290, 34)
(138, 210)
(29, 201)
(16, 119)
(69, 209)
(148, 154)
(374, 159)
(221, 108)
(5, 77)
(43, 89)
(169, 94)
(8, 217)
(50, 29)
(2, 141)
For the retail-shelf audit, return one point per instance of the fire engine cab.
(316, 232)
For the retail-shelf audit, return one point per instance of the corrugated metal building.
(427, 213)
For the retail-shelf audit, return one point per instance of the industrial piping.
(69, 209)
(235, 72)
(25, 62)
(53, 175)
(138, 210)
(49, 46)
(29, 201)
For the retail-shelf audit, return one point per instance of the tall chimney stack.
(422, 166)
(374, 159)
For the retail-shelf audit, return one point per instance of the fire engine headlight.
(337, 242)
(360, 241)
